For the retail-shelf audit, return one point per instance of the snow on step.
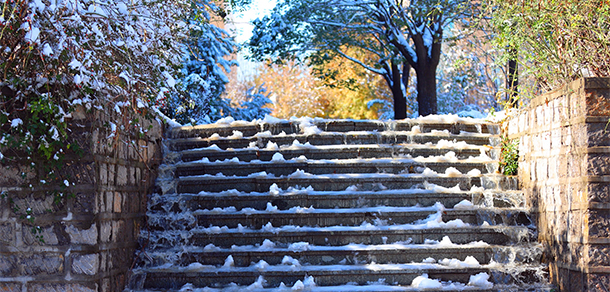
(324, 205)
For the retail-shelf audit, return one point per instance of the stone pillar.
(89, 240)
(564, 170)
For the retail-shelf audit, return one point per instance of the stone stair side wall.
(564, 170)
(90, 240)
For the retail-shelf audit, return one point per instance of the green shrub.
(557, 40)
(509, 156)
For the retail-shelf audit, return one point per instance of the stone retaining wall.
(90, 240)
(564, 170)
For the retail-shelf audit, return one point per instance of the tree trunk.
(400, 100)
(426, 91)
(512, 79)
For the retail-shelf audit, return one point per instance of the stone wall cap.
(585, 83)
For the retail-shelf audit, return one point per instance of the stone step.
(251, 129)
(282, 167)
(334, 182)
(337, 152)
(372, 287)
(353, 254)
(327, 275)
(338, 256)
(286, 199)
(336, 217)
(401, 252)
(319, 200)
(321, 218)
(345, 235)
(348, 138)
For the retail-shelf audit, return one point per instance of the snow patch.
(464, 205)
(278, 157)
(480, 280)
(423, 282)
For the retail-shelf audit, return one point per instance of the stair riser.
(313, 154)
(329, 139)
(322, 202)
(336, 184)
(345, 238)
(333, 126)
(322, 278)
(245, 259)
(257, 221)
(324, 220)
(318, 168)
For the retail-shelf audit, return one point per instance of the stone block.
(513, 126)
(539, 117)
(118, 230)
(103, 174)
(598, 103)
(138, 175)
(109, 201)
(548, 115)
(8, 265)
(598, 282)
(118, 201)
(579, 136)
(82, 236)
(562, 167)
(85, 203)
(100, 202)
(87, 264)
(40, 264)
(10, 287)
(578, 195)
(133, 148)
(7, 229)
(575, 225)
(597, 255)
(105, 231)
(599, 223)
(105, 285)
(142, 150)
(49, 236)
(121, 175)
(566, 136)
(541, 169)
(561, 110)
(598, 134)
(111, 174)
(532, 169)
(553, 170)
(153, 152)
(59, 287)
(80, 173)
(11, 175)
(546, 142)
(574, 165)
(577, 107)
(598, 192)
(39, 204)
(134, 203)
(556, 142)
(598, 164)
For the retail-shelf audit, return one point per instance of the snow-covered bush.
(58, 54)
(202, 78)
(117, 57)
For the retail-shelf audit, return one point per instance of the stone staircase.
(337, 205)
